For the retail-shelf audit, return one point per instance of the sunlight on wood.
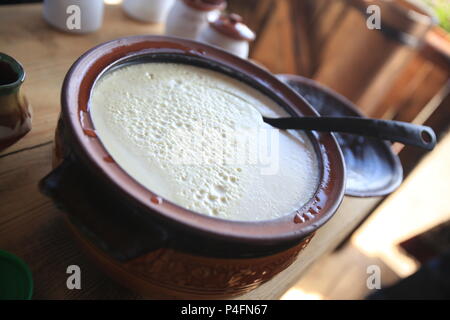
(113, 2)
(298, 294)
(421, 203)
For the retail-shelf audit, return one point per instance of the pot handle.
(110, 223)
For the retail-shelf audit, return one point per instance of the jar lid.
(231, 25)
(372, 169)
(206, 5)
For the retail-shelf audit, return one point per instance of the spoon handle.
(398, 131)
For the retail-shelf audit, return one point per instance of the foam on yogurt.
(196, 138)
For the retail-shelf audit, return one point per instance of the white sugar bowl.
(188, 18)
(148, 10)
(229, 33)
(74, 16)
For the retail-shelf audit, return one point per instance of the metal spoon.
(398, 131)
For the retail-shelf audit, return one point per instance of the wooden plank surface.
(47, 55)
(274, 47)
(30, 226)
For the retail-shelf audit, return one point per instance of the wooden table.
(30, 226)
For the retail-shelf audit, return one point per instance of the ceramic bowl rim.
(75, 96)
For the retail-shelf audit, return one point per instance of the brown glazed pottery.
(15, 114)
(150, 244)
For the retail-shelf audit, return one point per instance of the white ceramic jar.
(187, 18)
(229, 33)
(148, 10)
(74, 16)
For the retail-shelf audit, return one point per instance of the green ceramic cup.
(15, 111)
(16, 282)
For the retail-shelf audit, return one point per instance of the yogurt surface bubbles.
(196, 138)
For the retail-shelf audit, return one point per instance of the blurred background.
(386, 77)
(399, 72)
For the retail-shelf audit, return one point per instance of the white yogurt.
(196, 138)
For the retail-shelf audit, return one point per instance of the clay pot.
(15, 111)
(152, 245)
